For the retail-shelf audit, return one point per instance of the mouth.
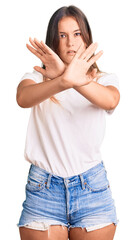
(71, 52)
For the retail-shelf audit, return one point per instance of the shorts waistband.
(74, 179)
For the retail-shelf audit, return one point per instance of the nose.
(70, 41)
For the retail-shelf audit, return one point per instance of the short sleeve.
(110, 79)
(35, 76)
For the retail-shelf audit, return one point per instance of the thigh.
(54, 232)
(93, 204)
(45, 201)
(106, 233)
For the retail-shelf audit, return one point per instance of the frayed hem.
(41, 225)
(94, 227)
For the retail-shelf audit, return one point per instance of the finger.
(35, 46)
(39, 46)
(32, 43)
(89, 51)
(46, 48)
(95, 58)
(43, 47)
(32, 50)
(40, 70)
(79, 51)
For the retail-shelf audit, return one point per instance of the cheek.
(62, 45)
(62, 49)
(80, 41)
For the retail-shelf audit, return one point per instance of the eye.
(62, 35)
(78, 34)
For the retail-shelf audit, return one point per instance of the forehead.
(68, 23)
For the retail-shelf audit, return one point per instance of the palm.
(76, 73)
(54, 66)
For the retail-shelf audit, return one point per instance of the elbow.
(115, 101)
(20, 101)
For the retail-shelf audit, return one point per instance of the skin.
(54, 65)
(61, 233)
(54, 233)
(68, 70)
(29, 93)
(70, 38)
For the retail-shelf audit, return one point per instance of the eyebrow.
(73, 31)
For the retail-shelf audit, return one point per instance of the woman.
(67, 190)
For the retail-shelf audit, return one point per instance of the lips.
(71, 51)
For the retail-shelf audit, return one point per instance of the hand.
(54, 66)
(76, 73)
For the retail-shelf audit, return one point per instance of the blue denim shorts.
(83, 200)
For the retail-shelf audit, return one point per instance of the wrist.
(61, 70)
(65, 83)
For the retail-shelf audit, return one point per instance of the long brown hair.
(52, 36)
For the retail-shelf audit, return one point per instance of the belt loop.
(65, 182)
(49, 180)
(104, 166)
(82, 181)
(30, 168)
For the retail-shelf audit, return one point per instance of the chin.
(67, 62)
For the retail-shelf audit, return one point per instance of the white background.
(112, 24)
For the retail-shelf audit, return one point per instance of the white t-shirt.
(65, 139)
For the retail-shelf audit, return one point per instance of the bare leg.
(106, 233)
(53, 233)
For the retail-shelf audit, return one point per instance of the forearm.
(36, 93)
(104, 97)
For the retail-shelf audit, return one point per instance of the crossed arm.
(74, 76)
(105, 97)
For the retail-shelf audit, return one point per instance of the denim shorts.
(83, 200)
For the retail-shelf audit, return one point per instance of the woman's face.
(69, 38)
